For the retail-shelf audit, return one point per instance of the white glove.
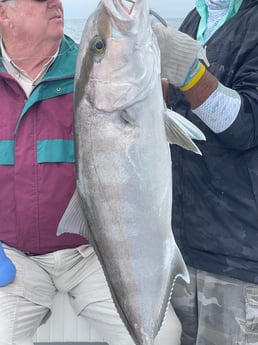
(179, 54)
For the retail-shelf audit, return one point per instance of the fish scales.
(124, 179)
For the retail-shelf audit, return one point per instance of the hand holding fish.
(180, 56)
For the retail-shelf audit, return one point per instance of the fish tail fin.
(181, 131)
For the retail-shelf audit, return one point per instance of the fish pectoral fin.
(181, 131)
(73, 220)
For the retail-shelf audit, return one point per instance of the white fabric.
(220, 109)
(25, 303)
(64, 325)
(213, 15)
(178, 53)
(217, 9)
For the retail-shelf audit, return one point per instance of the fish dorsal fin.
(73, 220)
(181, 131)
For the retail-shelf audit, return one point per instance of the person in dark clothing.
(215, 196)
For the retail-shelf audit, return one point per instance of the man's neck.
(27, 82)
(31, 59)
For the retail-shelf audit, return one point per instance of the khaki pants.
(216, 310)
(26, 303)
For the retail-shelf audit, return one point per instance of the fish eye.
(98, 45)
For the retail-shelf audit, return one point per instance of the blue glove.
(7, 268)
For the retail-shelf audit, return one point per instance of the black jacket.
(215, 196)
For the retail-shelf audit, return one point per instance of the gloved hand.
(7, 268)
(180, 55)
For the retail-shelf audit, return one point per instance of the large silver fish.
(124, 181)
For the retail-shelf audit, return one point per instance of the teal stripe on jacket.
(6, 152)
(55, 151)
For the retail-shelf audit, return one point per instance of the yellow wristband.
(194, 80)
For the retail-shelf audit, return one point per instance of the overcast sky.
(166, 8)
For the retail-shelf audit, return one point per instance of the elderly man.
(37, 179)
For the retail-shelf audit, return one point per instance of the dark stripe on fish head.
(92, 53)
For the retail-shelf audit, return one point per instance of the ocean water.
(74, 27)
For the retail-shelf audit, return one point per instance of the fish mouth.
(127, 5)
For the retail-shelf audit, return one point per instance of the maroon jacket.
(37, 170)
